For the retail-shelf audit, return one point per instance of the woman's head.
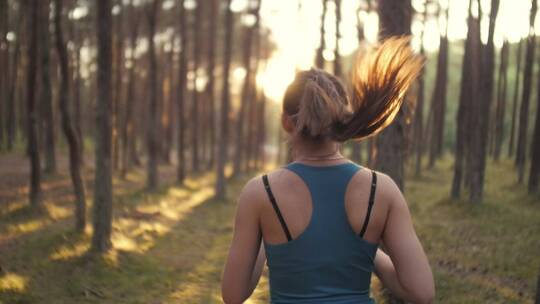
(316, 106)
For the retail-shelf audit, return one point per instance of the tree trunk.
(210, 95)
(500, 111)
(337, 59)
(11, 111)
(152, 134)
(534, 173)
(195, 104)
(46, 95)
(395, 18)
(32, 147)
(438, 101)
(515, 99)
(468, 94)
(524, 111)
(67, 126)
(4, 67)
(182, 80)
(319, 61)
(128, 135)
(239, 156)
(419, 111)
(224, 113)
(486, 94)
(102, 217)
(118, 70)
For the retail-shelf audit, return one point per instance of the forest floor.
(170, 246)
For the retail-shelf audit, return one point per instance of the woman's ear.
(286, 123)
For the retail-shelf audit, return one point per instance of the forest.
(129, 127)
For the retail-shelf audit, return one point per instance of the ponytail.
(320, 108)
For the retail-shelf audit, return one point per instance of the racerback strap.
(371, 202)
(276, 208)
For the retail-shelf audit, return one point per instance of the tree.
(438, 101)
(46, 95)
(182, 80)
(210, 95)
(246, 94)
(515, 99)
(225, 100)
(118, 53)
(319, 61)
(337, 59)
(32, 146)
(395, 18)
(152, 134)
(419, 111)
(524, 111)
(195, 95)
(102, 217)
(468, 92)
(67, 125)
(4, 64)
(500, 111)
(534, 174)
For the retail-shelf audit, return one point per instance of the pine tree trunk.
(4, 67)
(419, 111)
(210, 86)
(395, 18)
(524, 111)
(11, 111)
(46, 95)
(102, 210)
(515, 99)
(182, 80)
(32, 146)
(319, 60)
(500, 112)
(337, 56)
(118, 70)
(152, 134)
(195, 103)
(224, 114)
(67, 125)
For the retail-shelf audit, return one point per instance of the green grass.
(170, 246)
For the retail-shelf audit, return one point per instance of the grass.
(170, 246)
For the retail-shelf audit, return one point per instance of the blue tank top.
(328, 262)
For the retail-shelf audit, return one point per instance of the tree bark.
(152, 134)
(515, 99)
(182, 80)
(500, 111)
(419, 111)
(195, 102)
(524, 111)
(210, 86)
(32, 146)
(319, 61)
(478, 165)
(337, 57)
(395, 18)
(11, 111)
(438, 101)
(118, 70)
(67, 125)
(102, 217)
(4, 67)
(46, 95)
(220, 191)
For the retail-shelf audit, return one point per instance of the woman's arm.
(246, 257)
(405, 270)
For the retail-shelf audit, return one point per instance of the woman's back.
(333, 232)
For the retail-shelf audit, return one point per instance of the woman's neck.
(317, 151)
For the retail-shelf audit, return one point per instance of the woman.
(322, 218)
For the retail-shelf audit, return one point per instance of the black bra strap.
(276, 208)
(371, 202)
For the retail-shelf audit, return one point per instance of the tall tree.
(319, 60)
(470, 75)
(32, 146)
(128, 127)
(46, 94)
(225, 100)
(500, 110)
(515, 99)
(395, 18)
(118, 53)
(524, 111)
(419, 111)
(67, 124)
(438, 100)
(4, 66)
(246, 94)
(102, 217)
(195, 104)
(210, 86)
(182, 80)
(152, 135)
(337, 56)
